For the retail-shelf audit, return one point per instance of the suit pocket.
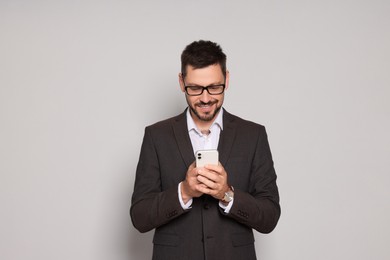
(243, 239)
(166, 239)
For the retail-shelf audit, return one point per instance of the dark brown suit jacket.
(205, 231)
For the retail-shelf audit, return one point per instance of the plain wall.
(79, 81)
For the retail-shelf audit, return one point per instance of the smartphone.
(204, 157)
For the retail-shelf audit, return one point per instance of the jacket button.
(206, 206)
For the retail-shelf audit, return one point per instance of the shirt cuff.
(227, 207)
(183, 205)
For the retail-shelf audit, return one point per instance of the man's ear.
(227, 79)
(181, 82)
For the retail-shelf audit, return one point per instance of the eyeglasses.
(198, 90)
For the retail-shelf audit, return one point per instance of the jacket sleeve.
(151, 207)
(259, 207)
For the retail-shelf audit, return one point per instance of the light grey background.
(79, 81)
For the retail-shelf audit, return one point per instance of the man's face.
(204, 107)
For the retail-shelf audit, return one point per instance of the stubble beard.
(207, 117)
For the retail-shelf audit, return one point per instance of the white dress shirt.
(201, 141)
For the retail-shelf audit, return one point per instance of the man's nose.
(205, 96)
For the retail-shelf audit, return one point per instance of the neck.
(205, 132)
(202, 125)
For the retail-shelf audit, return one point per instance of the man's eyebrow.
(197, 85)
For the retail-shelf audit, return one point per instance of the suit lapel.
(183, 139)
(227, 137)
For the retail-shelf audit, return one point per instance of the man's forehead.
(209, 73)
(216, 66)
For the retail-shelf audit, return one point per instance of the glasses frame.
(205, 88)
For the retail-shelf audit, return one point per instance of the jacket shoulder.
(166, 123)
(242, 123)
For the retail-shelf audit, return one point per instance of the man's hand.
(190, 186)
(213, 181)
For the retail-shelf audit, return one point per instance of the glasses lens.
(194, 90)
(215, 90)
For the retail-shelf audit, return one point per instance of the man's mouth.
(206, 105)
(205, 111)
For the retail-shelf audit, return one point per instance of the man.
(205, 212)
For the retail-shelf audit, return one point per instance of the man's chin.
(207, 117)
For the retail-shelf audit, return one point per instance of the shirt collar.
(217, 122)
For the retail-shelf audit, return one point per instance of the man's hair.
(201, 54)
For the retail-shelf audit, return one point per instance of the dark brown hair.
(201, 54)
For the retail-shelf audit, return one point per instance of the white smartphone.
(204, 157)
